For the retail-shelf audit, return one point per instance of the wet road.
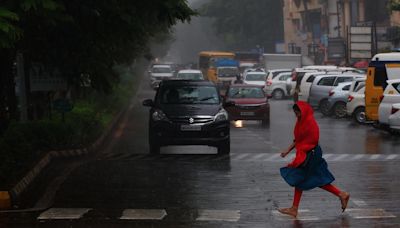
(124, 186)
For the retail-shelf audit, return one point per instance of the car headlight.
(159, 115)
(221, 116)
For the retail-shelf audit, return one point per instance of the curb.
(7, 197)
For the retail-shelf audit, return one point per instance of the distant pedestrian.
(308, 170)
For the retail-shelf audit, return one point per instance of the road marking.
(274, 156)
(143, 214)
(241, 156)
(392, 156)
(375, 156)
(359, 203)
(300, 216)
(218, 215)
(340, 157)
(257, 157)
(369, 213)
(358, 156)
(63, 213)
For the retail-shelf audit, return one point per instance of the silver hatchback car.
(322, 85)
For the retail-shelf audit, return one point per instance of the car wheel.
(324, 108)
(224, 147)
(359, 115)
(278, 94)
(340, 110)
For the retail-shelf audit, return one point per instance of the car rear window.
(161, 70)
(311, 78)
(346, 88)
(380, 77)
(190, 76)
(343, 79)
(276, 73)
(255, 77)
(285, 77)
(327, 81)
(246, 92)
(189, 94)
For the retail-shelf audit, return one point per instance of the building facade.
(321, 29)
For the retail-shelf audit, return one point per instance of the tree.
(82, 37)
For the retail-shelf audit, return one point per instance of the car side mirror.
(229, 104)
(148, 103)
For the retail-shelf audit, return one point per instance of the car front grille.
(249, 107)
(196, 119)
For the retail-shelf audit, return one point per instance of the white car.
(394, 118)
(160, 72)
(255, 78)
(356, 101)
(276, 86)
(190, 75)
(391, 95)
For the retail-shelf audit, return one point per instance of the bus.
(383, 67)
(207, 60)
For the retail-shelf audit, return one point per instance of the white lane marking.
(369, 213)
(359, 202)
(340, 157)
(143, 214)
(375, 156)
(218, 215)
(241, 156)
(63, 213)
(327, 156)
(392, 156)
(358, 156)
(257, 157)
(272, 157)
(300, 216)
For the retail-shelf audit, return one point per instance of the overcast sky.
(192, 38)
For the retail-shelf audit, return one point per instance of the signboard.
(44, 79)
(361, 42)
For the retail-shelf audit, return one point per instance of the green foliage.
(245, 24)
(8, 31)
(394, 5)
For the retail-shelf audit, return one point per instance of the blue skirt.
(313, 174)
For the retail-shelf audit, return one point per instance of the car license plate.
(190, 127)
(247, 113)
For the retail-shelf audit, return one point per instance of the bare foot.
(292, 211)
(344, 199)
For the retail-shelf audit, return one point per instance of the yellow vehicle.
(383, 67)
(207, 61)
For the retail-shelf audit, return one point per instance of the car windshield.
(190, 95)
(227, 72)
(255, 77)
(190, 76)
(161, 70)
(246, 92)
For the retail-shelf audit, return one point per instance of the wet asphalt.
(194, 187)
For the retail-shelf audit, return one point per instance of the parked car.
(391, 96)
(187, 112)
(275, 86)
(319, 91)
(305, 84)
(190, 75)
(160, 72)
(337, 100)
(251, 103)
(394, 118)
(356, 101)
(297, 76)
(255, 78)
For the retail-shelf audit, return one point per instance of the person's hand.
(284, 153)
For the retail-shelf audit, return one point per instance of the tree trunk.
(8, 99)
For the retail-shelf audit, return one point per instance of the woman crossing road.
(308, 170)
